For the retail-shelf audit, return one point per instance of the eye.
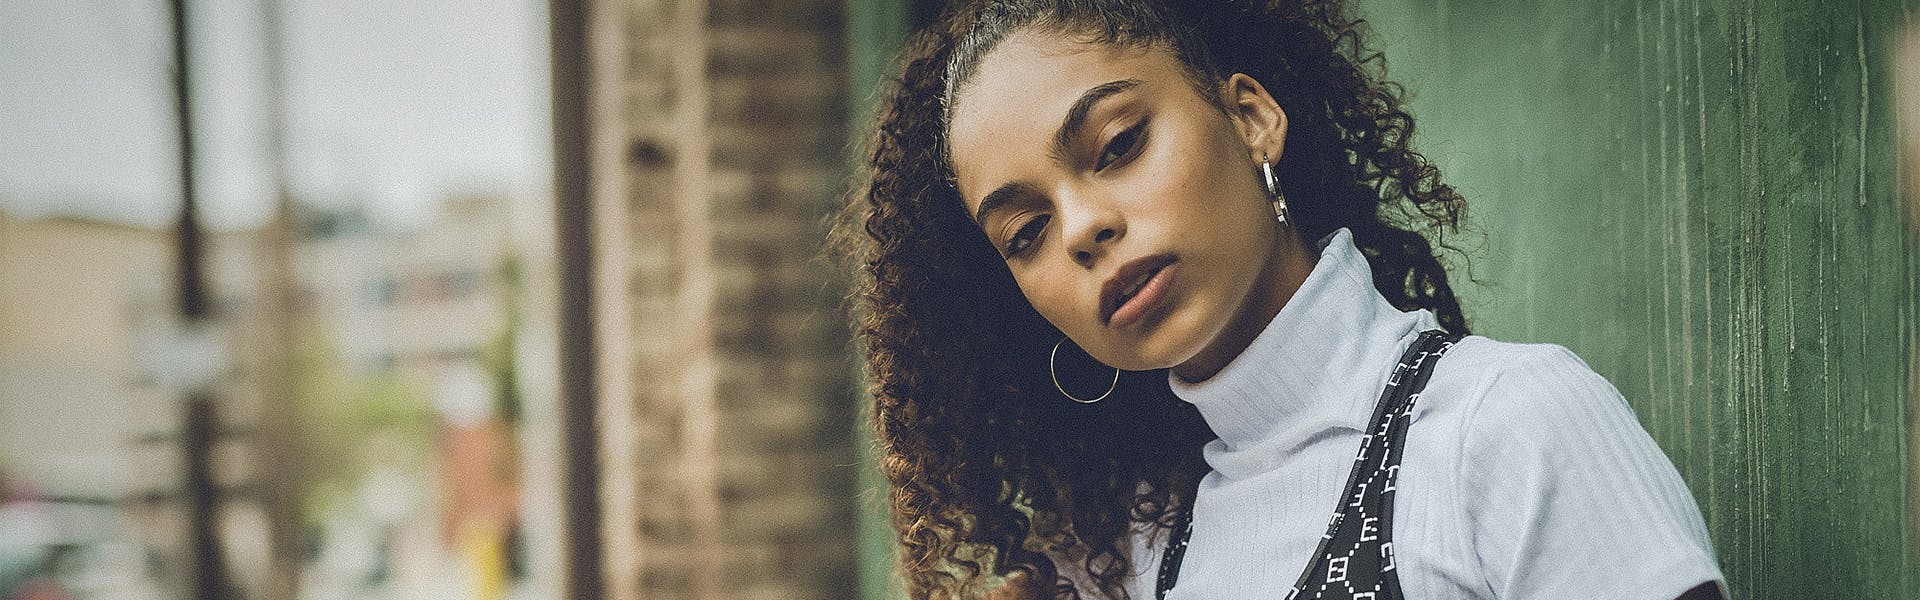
(1122, 146)
(1025, 236)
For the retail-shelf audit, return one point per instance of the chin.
(1151, 354)
(1168, 339)
(1177, 340)
(1138, 363)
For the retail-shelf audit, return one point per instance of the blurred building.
(73, 406)
(424, 322)
(91, 363)
(724, 409)
(408, 394)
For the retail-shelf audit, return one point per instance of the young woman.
(1148, 293)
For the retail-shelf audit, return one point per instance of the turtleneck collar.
(1324, 356)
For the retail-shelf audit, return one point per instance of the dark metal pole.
(193, 294)
(209, 577)
(573, 201)
(207, 580)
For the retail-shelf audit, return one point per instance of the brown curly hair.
(990, 469)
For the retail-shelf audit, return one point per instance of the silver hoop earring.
(1273, 189)
(1053, 370)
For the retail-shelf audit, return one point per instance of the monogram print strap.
(1354, 560)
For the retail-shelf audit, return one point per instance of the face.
(1129, 209)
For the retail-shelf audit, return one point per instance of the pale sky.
(390, 104)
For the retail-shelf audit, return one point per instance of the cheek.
(1191, 194)
(1198, 163)
(1052, 297)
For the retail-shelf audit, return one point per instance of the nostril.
(1083, 256)
(1104, 235)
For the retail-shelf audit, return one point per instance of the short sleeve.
(1567, 496)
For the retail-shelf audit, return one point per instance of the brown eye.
(1122, 146)
(1025, 237)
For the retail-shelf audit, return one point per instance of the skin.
(1186, 184)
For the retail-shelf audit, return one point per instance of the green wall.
(1700, 198)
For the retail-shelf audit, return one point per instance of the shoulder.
(1487, 363)
(1554, 468)
(1534, 406)
(1496, 386)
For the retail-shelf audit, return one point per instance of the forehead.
(1017, 96)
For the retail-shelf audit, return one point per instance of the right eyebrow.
(998, 198)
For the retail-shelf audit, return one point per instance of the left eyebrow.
(1077, 114)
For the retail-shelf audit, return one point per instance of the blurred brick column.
(725, 425)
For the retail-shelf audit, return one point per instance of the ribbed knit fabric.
(1525, 474)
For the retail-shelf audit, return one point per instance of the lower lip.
(1143, 302)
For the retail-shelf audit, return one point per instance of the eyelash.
(1122, 146)
(1023, 238)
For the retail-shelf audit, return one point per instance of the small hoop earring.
(1273, 189)
(1054, 371)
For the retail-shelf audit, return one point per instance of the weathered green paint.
(1700, 197)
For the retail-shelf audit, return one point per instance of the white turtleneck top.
(1525, 475)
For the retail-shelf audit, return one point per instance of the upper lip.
(1126, 277)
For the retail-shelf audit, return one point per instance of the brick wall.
(725, 411)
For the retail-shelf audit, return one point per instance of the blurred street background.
(339, 408)
(517, 299)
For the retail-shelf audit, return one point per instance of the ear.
(1257, 116)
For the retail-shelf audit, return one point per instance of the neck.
(1288, 267)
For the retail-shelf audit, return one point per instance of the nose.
(1091, 229)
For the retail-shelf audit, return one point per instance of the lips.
(1128, 282)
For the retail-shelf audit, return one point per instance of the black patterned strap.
(1354, 559)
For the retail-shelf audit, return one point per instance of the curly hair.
(992, 475)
